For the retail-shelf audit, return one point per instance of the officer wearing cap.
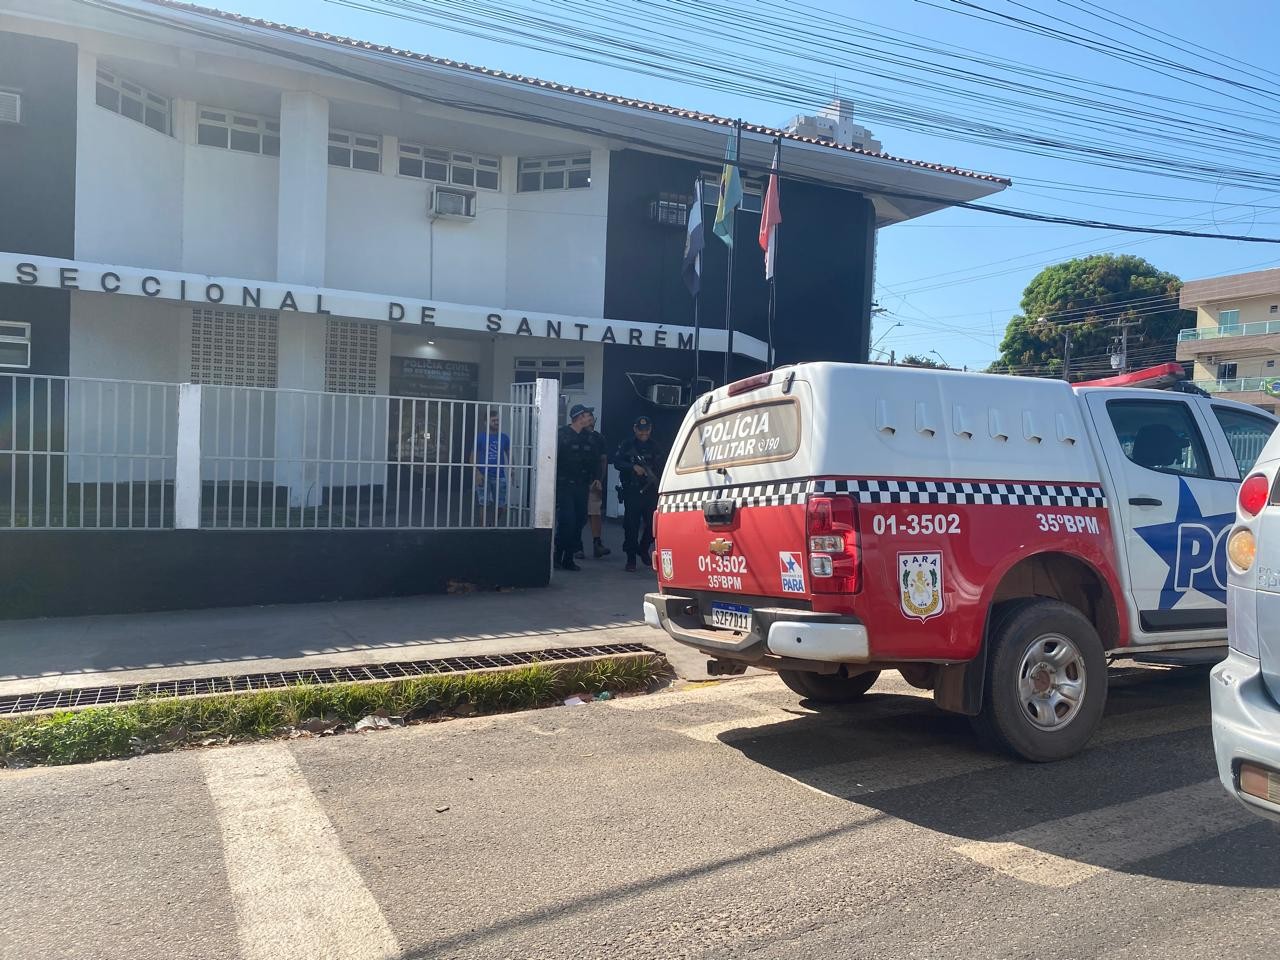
(639, 462)
(577, 467)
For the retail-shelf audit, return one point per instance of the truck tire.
(1046, 683)
(829, 687)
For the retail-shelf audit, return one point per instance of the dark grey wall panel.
(70, 573)
(38, 171)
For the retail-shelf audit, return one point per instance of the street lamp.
(941, 357)
(897, 323)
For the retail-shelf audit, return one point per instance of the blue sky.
(953, 279)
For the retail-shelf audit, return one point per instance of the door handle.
(1145, 502)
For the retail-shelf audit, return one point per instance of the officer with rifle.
(639, 462)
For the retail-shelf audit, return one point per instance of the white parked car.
(1246, 686)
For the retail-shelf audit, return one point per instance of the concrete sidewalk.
(601, 604)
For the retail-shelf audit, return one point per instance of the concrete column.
(303, 203)
(547, 400)
(300, 259)
(186, 481)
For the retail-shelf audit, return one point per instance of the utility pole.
(1120, 345)
(1066, 346)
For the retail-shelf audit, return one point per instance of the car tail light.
(1253, 495)
(835, 555)
(1241, 549)
(750, 383)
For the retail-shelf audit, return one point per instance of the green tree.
(917, 360)
(1086, 297)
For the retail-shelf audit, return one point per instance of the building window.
(243, 132)
(450, 166)
(570, 372)
(554, 173)
(1227, 317)
(350, 356)
(752, 193)
(234, 348)
(1227, 371)
(15, 345)
(134, 101)
(358, 151)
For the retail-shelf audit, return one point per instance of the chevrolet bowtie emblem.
(720, 546)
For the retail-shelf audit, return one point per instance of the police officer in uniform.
(639, 462)
(577, 467)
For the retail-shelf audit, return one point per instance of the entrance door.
(1175, 504)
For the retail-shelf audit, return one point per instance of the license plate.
(731, 616)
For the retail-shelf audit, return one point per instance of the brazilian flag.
(730, 194)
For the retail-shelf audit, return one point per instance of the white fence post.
(547, 403)
(186, 479)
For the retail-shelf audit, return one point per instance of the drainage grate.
(249, 682)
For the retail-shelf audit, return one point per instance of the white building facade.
(198, 198)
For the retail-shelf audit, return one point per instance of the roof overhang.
(900, 189)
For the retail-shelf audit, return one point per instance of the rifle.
(639, 460)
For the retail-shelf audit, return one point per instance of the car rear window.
(760, 433)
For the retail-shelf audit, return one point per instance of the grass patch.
(160, 724)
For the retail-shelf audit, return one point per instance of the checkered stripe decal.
(966, 492)
(750, 495)
(894, 491)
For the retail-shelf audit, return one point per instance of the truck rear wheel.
(829, 687)
(1046, 683)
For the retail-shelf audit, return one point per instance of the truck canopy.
(855, 420)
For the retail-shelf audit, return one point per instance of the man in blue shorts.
(491, 454)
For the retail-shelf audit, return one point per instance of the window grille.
(357, 151)
(134, 101)
(242, 132)
(350, 356)
(554, 173)
(235, 348)
(15, 345)
(570, 372)
(450, 166)
(752, 193)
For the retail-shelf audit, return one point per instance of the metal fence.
(80, 453)
(292, 459)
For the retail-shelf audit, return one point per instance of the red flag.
(770, 217)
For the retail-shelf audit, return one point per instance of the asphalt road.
(726, 821)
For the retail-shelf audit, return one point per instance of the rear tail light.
(835, 548)
(750, 383)
(1253, 495)
(1241, 549)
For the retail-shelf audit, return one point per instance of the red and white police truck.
(995, 539)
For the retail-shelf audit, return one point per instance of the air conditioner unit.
(10, 106)
(453, 204)
(665, 394)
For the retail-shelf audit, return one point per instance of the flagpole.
(697, 342)
(773, 253)
(733, 236)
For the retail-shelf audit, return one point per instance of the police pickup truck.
(995, 539)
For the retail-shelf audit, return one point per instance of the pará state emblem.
(668, 565)
(920, 585)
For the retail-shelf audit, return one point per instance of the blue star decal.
(1190, 544)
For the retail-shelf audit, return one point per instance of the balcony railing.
(1230, 330)
(1237, 385)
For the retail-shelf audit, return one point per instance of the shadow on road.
(1142, 799)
